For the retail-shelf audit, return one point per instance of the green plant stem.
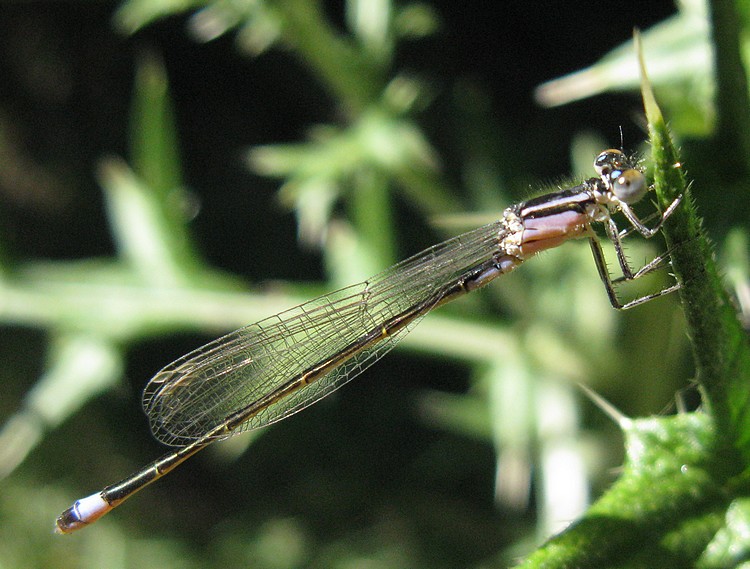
(720, 348)
(732, 100)
(50, 296)
(354, 79)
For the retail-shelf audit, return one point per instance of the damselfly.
(264, 372)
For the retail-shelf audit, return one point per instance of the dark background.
(66, 91)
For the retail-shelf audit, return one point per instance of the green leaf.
(154, 141)
(731, 545)
(662, 510)
(133, 15)
(680, 53)
(732, 99)
(148, 205)
(80, 367)
(155, 243)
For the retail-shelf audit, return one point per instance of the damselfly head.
(620, 177)
(629, 186)
(609, 161)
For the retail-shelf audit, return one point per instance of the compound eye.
(609, 160)
(629, 186)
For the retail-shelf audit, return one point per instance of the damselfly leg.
(628, 273)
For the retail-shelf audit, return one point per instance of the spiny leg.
(628, 274)
(640, 227)
(609, 284)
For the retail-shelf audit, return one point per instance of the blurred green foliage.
(471, 446)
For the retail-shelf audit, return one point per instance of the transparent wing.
(198, 392)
